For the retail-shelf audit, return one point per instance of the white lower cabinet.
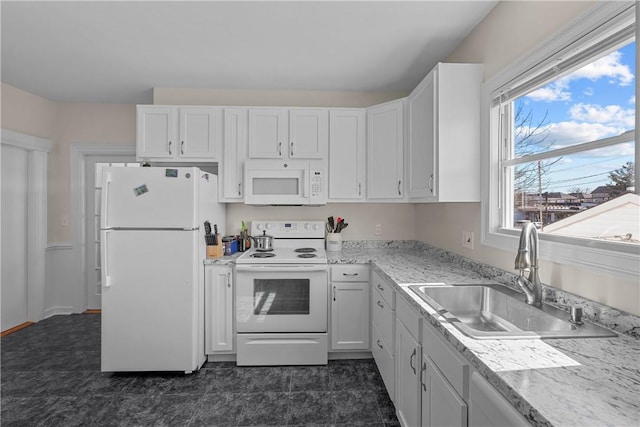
(441, 405)
(350, 307)
(488, 408)
(408, 358)
(383, 330)
(218, 294)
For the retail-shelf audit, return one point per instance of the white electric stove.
(282, 296)
(294, 242)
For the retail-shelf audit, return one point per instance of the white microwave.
(284, 182)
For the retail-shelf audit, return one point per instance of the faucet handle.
(522, 260)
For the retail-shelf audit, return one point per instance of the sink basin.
(496, 312)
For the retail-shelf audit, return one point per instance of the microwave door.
(269, 187)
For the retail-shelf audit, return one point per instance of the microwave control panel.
(317, 185)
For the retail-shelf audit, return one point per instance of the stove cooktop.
(284, 256)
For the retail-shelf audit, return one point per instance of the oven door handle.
(281, 268)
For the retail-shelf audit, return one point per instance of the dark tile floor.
(50, 376)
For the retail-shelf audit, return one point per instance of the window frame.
(603, 256)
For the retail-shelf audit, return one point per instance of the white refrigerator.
(152, 252)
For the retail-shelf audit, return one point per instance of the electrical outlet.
(467, 239)
(378, 231)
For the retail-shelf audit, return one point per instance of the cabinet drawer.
(451, 363)
(383, 355)
(409, 317)
(384, 289)
(382, 317)
(350, 273)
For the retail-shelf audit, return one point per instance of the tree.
(530, 137)
(622, 179)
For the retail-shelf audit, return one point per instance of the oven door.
(279, 298)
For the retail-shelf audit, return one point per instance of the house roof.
(616, 220)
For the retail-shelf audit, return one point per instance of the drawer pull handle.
(424, 369)
(411, 360)
(350, 274)
(380, 304)
(379, 345)
(380, 287)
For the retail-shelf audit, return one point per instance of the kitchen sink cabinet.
(407, 361)
(383, 330)
(385, 148)
(443, 143)
(218, 294)
(178, 134)
(231, 168)
(488, 408)
(282, 133)
(347, 151)
(350, 307)
(444, 379)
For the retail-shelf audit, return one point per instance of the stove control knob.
(259, 227)
(307, 226)
(268, 226)
(316, 227)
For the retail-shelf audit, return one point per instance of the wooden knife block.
(215, 251)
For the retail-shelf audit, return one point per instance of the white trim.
(24, 141)
(37, 149)
(603, 257)
(54, 311)
(79, 153)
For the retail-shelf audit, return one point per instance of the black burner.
(307, 255)
(305, 251)
(262, 255)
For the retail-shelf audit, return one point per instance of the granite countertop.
(552, 382)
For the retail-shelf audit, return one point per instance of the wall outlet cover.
(467, 239)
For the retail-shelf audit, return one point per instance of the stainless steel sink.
(496, 312)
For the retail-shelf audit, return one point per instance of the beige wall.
(64, 124)
(527, 24)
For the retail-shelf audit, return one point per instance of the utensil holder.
(334, 242)
(215, 251)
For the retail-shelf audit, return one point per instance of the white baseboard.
(54, 311)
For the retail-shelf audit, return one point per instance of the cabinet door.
(235, 152)
(200, 133)
(308, 133)
(268, 133)
(488, 408)
(157, 136)
(407, 388)
(350, 316)
(421, 160)
(385, 171)
(346, 155)
(218, 309)
(441, 405)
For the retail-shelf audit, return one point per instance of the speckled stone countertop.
(552, 382)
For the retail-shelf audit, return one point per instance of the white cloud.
(588, 91)
(607, 66)
(567, 133)
(613, 115)
(632, 100)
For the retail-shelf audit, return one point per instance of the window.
(562, 148)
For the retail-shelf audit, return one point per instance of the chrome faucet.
(527, 261)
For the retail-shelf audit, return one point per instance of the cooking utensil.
(215, 234)
(263, 243)
(331, 224)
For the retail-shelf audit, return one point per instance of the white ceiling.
(116, 52)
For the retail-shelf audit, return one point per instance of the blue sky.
(594, 102)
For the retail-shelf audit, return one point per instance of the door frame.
(38, 150)
(79, 154)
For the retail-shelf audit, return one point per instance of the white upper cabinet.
(268, 133)
(444, 135)
(385, 147)
(178, 134)
(281, 133)
(347, 155)
(308, 133)
(235, 153)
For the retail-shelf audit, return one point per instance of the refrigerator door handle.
(105, 259)
(105, 199)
